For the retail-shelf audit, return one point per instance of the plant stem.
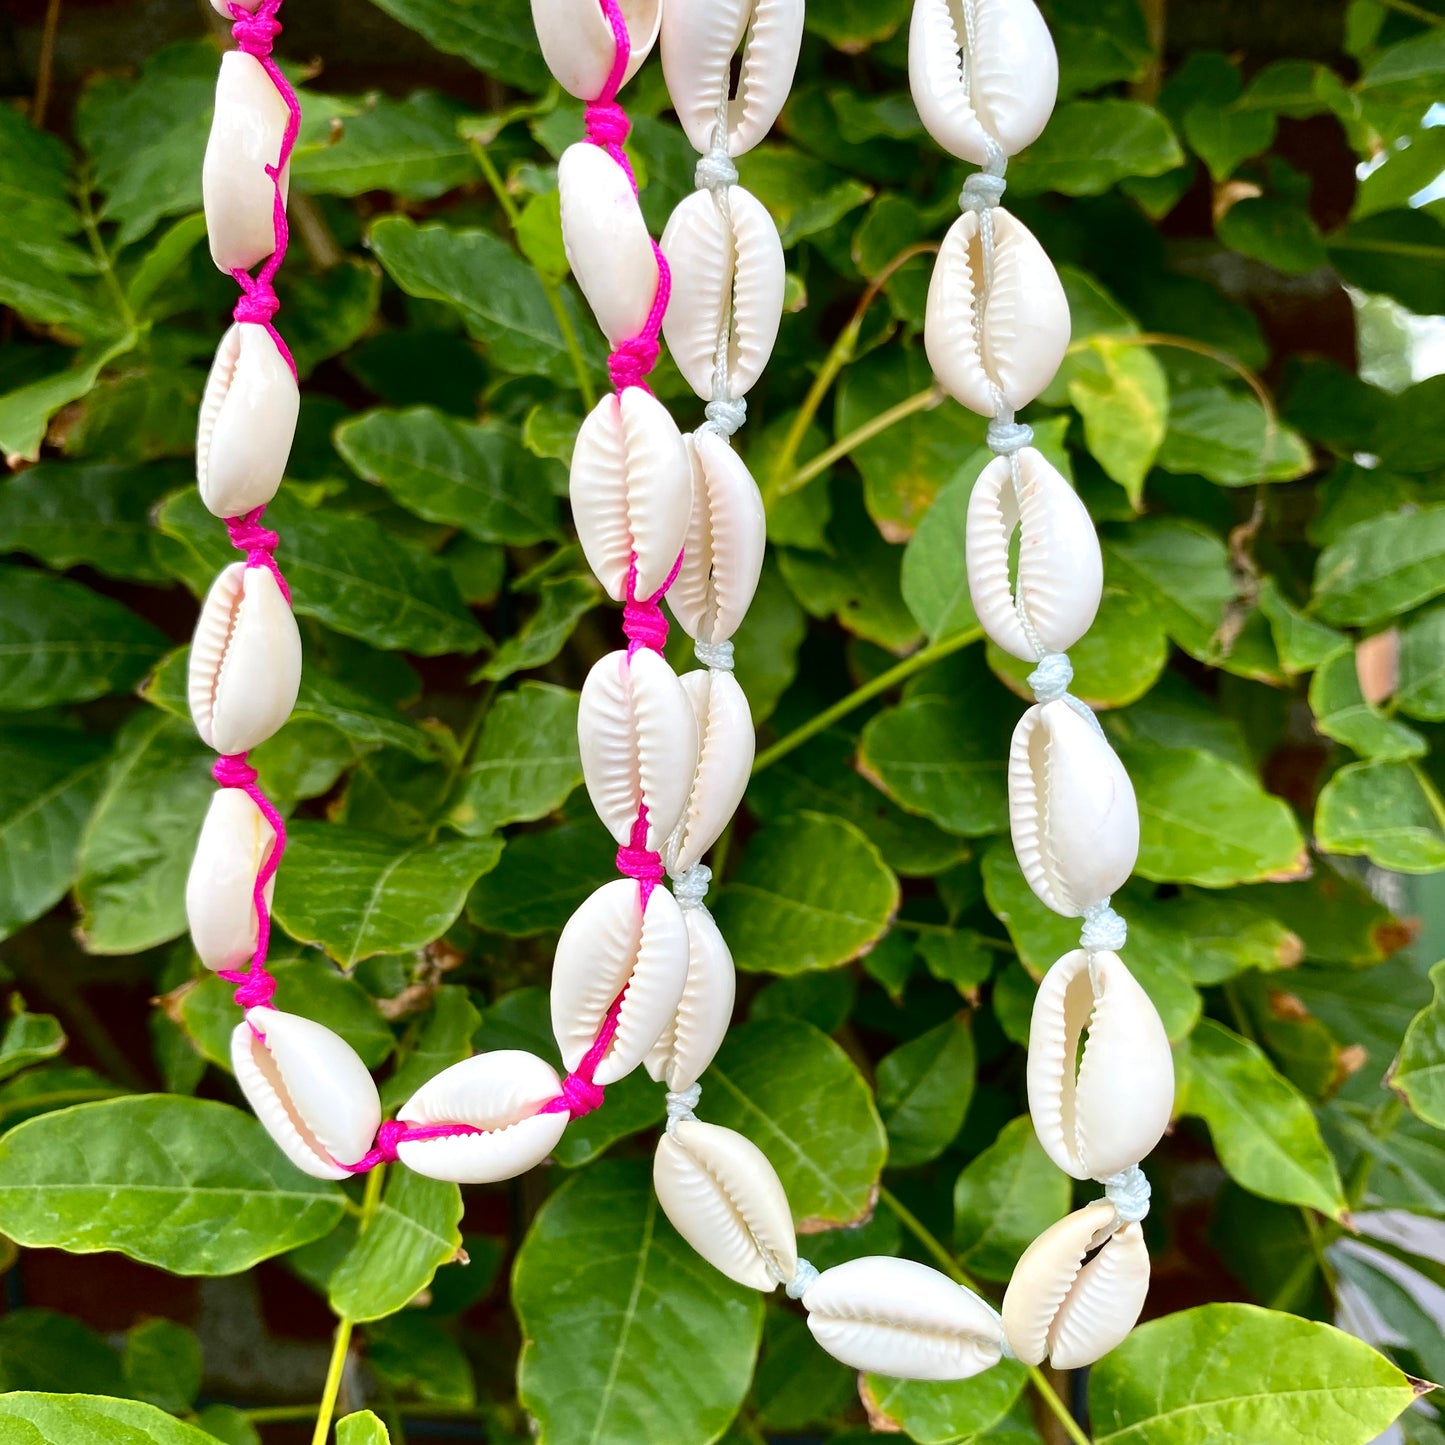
(552, 291)
(1415, 12)
(1432, 794)
(45, 65)
(884, 682)
(924, 400)
(945, 1260)
(334, 1372)
(91, 223)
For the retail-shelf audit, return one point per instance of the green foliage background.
(1267, 483)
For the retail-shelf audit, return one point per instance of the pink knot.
(231, 770)
(581, 1096)
(607, 123)
(640, 863)
(258, 305)
(256, 33)
(644, 625)
(631, 362)
(254, 989)
(248, 535)
(391, 1133)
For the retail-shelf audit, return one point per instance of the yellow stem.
(924, 400)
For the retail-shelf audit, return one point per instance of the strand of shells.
(984, 75)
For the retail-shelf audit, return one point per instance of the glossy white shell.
(309, 1088)
(1072, 812)
(1075, 1313)
(631, 491)
(726, 539)
(610, 947)
(1060, 569)
(606, 240)
(1025, 328)
(724, 1197)
(246, 134)
(699, 41)
(579, 47)
(223, 8)
(498, 1092)
(245, 666)
(247, 422)
(727, 272)
(695, 1033)
(726, 744)
(1003, 85)
(220, 891)
(638, 739)
(898, 1317)
(1101, 1113)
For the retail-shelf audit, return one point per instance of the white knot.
(1008, 437)
(690, 886)
(1128, 1191)
(725, 416)
(715, 171)
(681, 1106)
(714, 654)
(797, 1287)
(1104, 931)
(981, 191)
(1051, 678)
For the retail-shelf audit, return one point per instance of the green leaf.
(52, 1086)
(1005, 1198)
(1404, 172)
(329, 311)
(1389, 813)
(1099, 43)
(362, 1428)
(797, 1384)
(1342, 713)
(163, 1365)
(1414, 67)
(1395, 253)
(1089, 145)
(853, 25)
(1420, 690)
(599, 1361)
(539, 234)
(1303, 644)
(228, 1424)
(28, 1039)
(1394, 1296)
(495, 36)
(499, 296)
(445, 1039)
(562, 602)
(44, 1350)
(1236, 1372)
(91, 514)
(934, 581)
(50, 780)
(408, 147)
(948, 1412)
(803, 195)
(478, 478)
(799, 1098)
(413, 1353)
(91, 1420)
(413, 1233)
(526, 763)
(811, 892)
(1263, 1130)
(356, 894)
(1224, 135)
(136, 846)
(924, 1088)
(1124, 401)
(349, 572)
(1276, 230)
(927, 763)
(25, 412)
(542, 878)
(1227, 437)
(1382, 567)
(61, 642)
(1418, 1074)
(188, 1185)
(1203, 820)
(163, 259)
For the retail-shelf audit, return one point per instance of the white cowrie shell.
(606, 240)
(245, 666)
(727, 272)
(724, 1197)
(247, 422)
(223, 8)
(898, 1317)
(638, 739)
(1060, 569)
(1002, 86)
(611, 948)
(726, 744)
(691, 1040)
(722, 558)
(578, 44)
(1072, 813)
(1072, 1312)
(498, 1093)
(698, 45)
(1022, 337)
(220, 891)
(246, 134)
(1104, 1113)
(631, 491)
(309, 1088)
